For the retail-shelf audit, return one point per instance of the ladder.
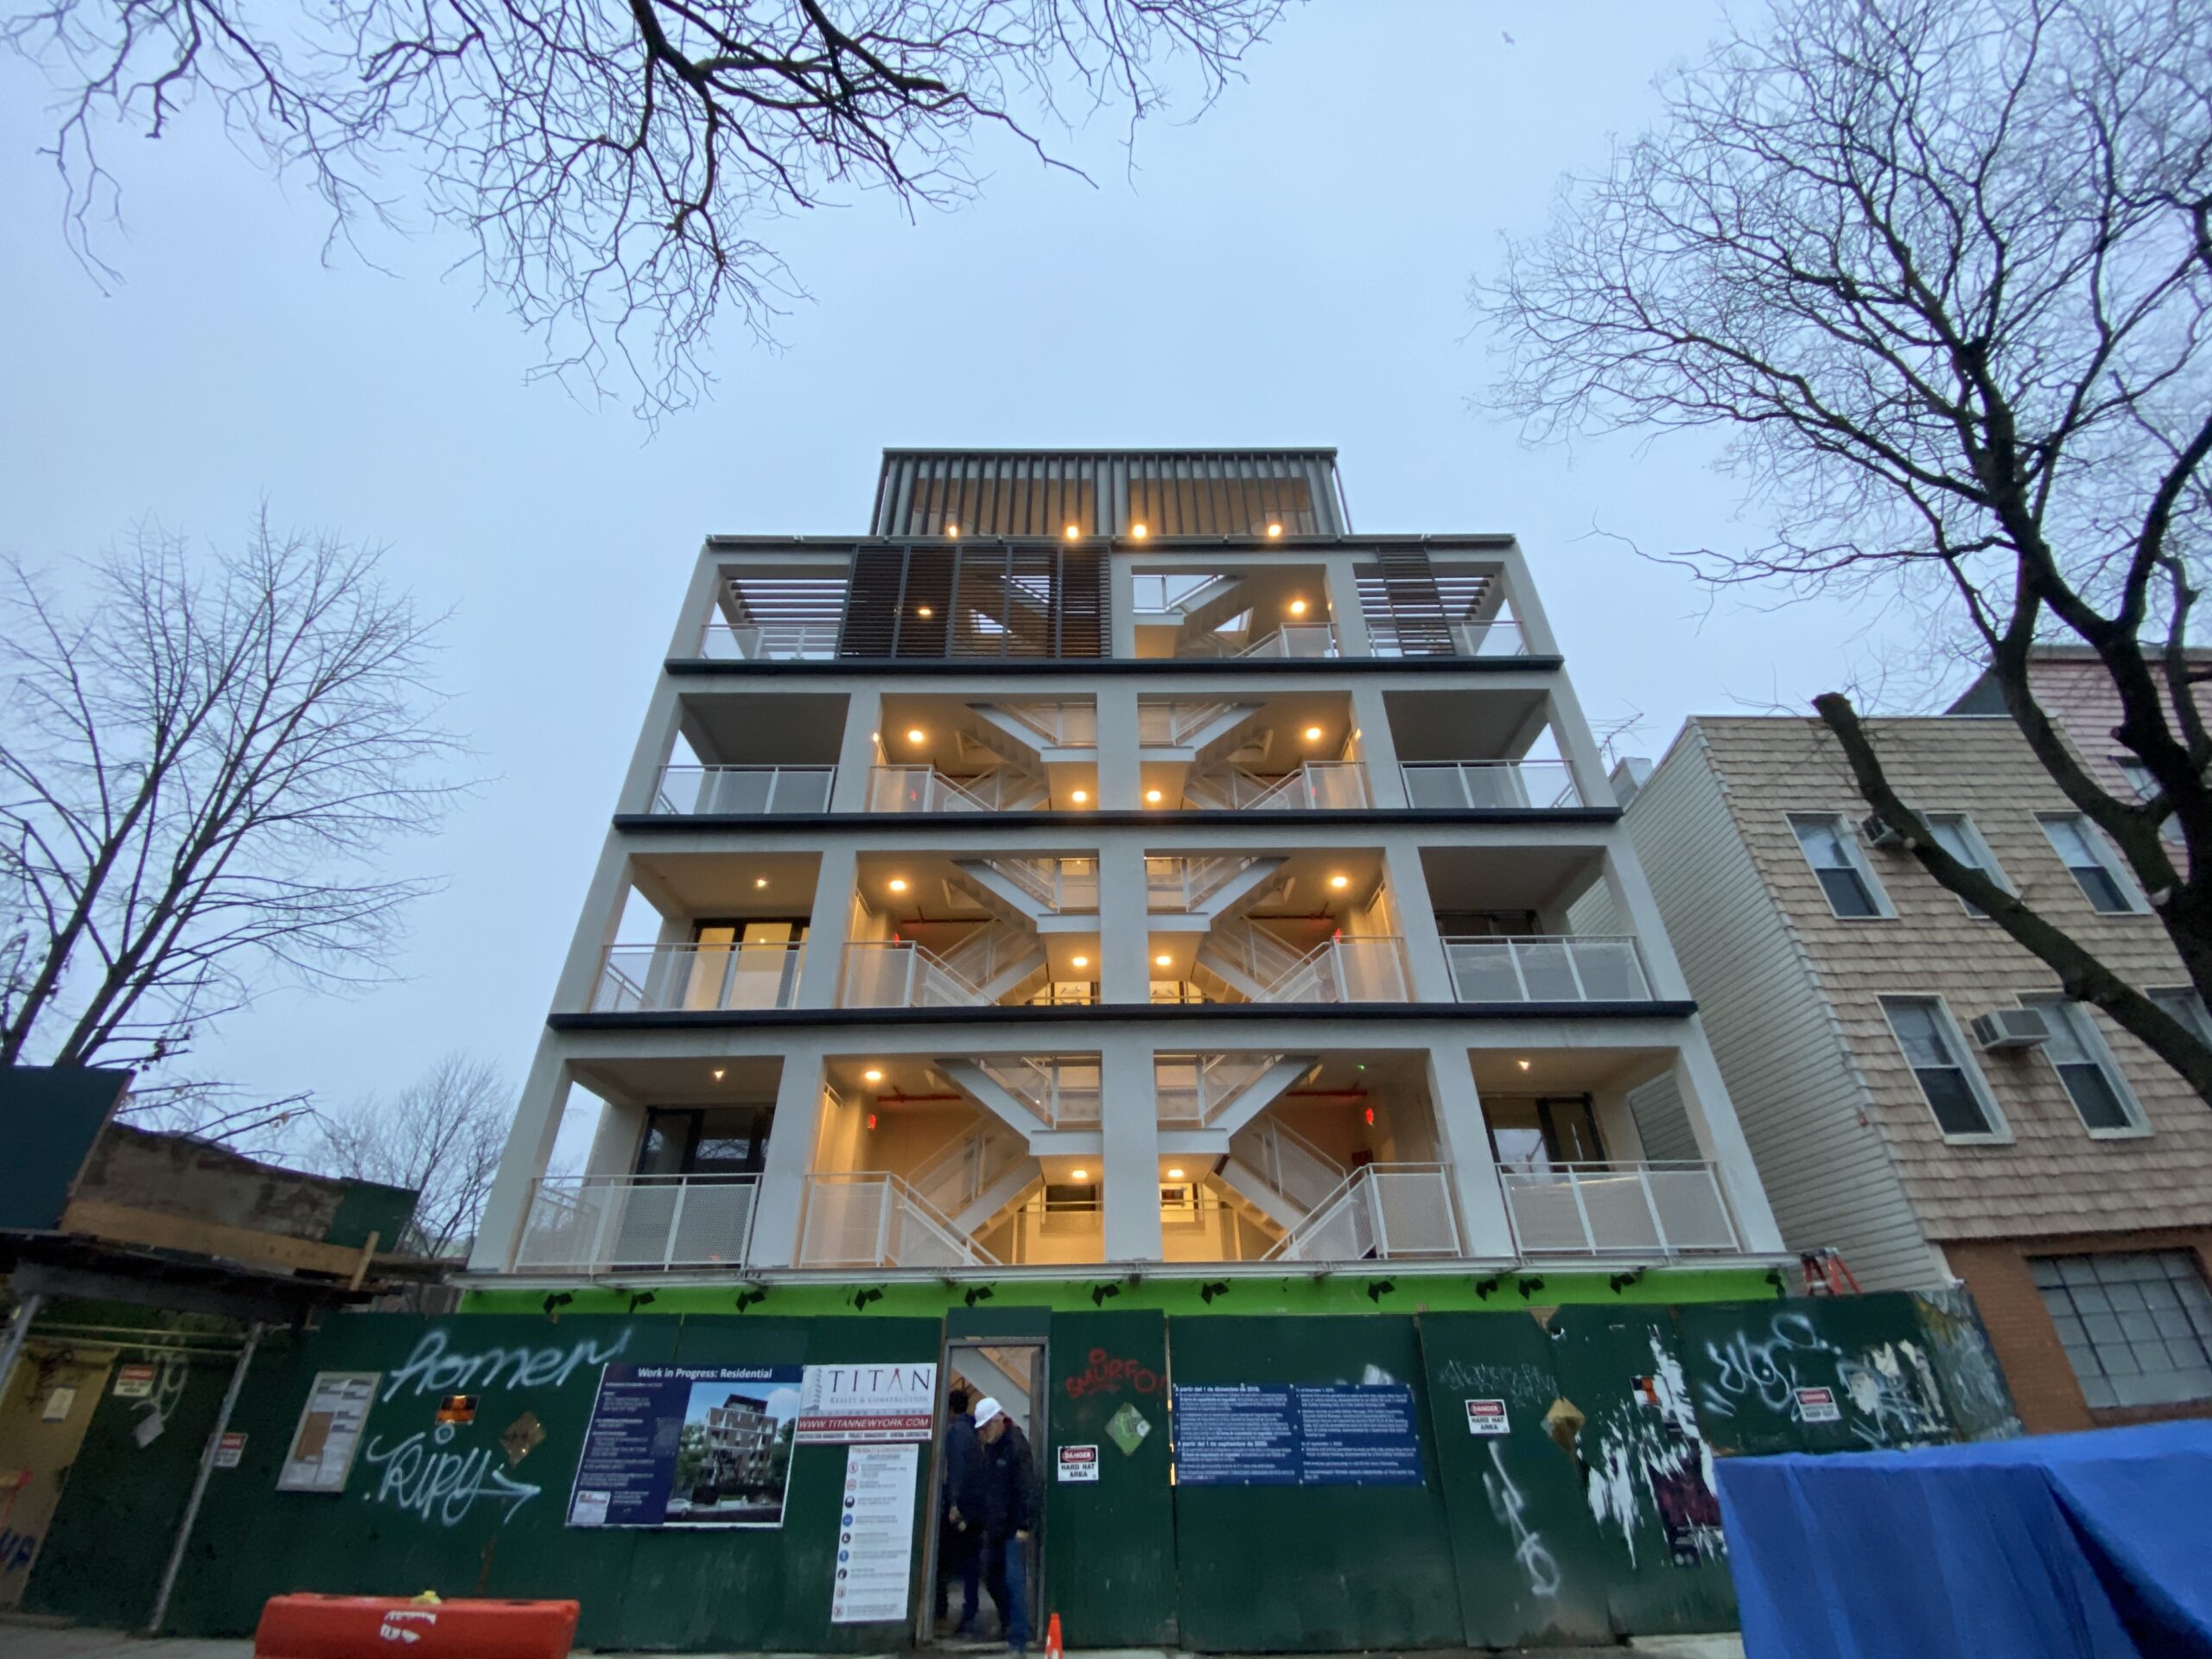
(1826, 1274)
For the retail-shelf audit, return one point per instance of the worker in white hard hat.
(1007, 1506)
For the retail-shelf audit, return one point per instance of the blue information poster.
(688, 1446)
(1338, 1434)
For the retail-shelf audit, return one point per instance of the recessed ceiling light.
(1312, 733)
(716, 1074)
(952, 530)
(1080, 1174)
(1298, 608)
(1080, 962)
(1073, 532)
(1152, 795)
(1163, 960)
(872, 1075)
(1275, 530)
(916, 734)
(1523, 1065)
(924, 610)
(898, 884)
(1175, 1174)
(759, 881)
(1340, 880)
(1137, 532)
(1079, 796)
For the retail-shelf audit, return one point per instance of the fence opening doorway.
(1011, 1370)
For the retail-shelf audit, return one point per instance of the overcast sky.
(1291, 270)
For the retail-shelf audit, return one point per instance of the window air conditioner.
(2010, 1028)
(1878, 833)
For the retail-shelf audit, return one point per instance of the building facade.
(1113, 859)
(1916, 1090)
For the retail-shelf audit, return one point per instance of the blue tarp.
(2094, 1546)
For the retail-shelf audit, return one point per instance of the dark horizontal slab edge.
(1117, 1012)
(674, 823)
(1158, 667)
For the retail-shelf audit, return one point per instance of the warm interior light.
(898, 884)
(1340, 881)
(1080, 962)
(1298, 608)
(924, 610)
(1079, 1174)
(1312, 733)
(1079, 796)
(1152, 795)
(1523, 1065)
(1275, 530)
(1163, 960)
(952, 530)
(873, 1075)
(717, 1074)
(917, 735)
(1074, 531)
(1137, 532)
(759, 881)
(1175, 1174)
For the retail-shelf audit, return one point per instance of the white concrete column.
(1585, 761)
(705, 599)
(1120, 606)
(615, 1142)
(1120, 747)
(1124, 926)
(1464, 1141)
(1634, 904)
(1350, 622)
(1536, 634)
(1720, 1139)
(1130, 1132)
(1409, 884)
(544, 1097)
(792, 1135)
(1378, 748)
(857, 754)
(829, 926)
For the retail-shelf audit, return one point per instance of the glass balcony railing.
(743, 791)
(769, 642)
(1504, 786)
(1660, 1209)
(1578, 968)
(697, 978)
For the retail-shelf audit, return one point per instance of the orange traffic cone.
(1052, 1637)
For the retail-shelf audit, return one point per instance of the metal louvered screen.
(1415, 606)
(1181, 493)
(951, 598)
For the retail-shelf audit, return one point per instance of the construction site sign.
(842, 1405)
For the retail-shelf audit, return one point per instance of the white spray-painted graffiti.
(1653, 1450)
(1512, 1509)
(171, 1371)
(419, 1476)
(426, 1474)
(1960, 1353)
(1766, 1371)
(1522, 1382)
(1890, 1385)
(1899, 1409)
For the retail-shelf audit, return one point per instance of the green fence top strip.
(1353, 1291)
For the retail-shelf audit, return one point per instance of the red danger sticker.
(1486, 1417)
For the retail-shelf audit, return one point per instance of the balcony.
(1537, 967)
(741, 791)
(1664, 1209)
(769, 642)
(677, 978)
(1251, 965)
(1317, 785)
(924, 789)
(594, 1223)
(1502, 637)
(1492, 786)
(872, 1220)
(1380, 1212)
(993, 965)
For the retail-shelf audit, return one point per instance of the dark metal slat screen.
(957, 599)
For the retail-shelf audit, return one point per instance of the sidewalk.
(24, 1640)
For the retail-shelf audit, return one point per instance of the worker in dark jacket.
(1009, 1512)
(959, 1533)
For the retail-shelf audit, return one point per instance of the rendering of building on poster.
(688, 1446)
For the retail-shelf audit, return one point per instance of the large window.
(1843, 875)
(2087, 1067)
(2137, 1325)
(1955, 834)
(2185, 1005)
(1954, 1089)
(2083, 851)
(2145, 785)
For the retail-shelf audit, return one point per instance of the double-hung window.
(1843, 874)
(2185, 1005)
(1952, 1087)
(2145, 785)
(1955, 834)
(2086, 1066)
(2079, 847)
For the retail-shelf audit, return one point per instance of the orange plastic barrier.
(386, 1627)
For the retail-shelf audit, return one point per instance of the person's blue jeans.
(959, 1557)
(1006, 1572)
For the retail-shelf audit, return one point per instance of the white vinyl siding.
(1828, 1174)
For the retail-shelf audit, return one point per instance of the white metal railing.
(1502, 637)
(673, 978)
(1663, 1208)
(1304, 639)
(959, 1171)
(1291, 1165)
(1179, 595)
(1367, 968)
(589, 1223)
(734, 791)
(1181, 884)
(870, 1219)
(1171, 725)
(1061, 1091)
(1195, 1088)
(1058, 884)
(1317, 785)
(900, 973)
(1379, 1213)
(1527, 785)
(1253, 951)
(924, 789)
(1562, 968)
(769, 642)
(1062, 725)
(988, 952)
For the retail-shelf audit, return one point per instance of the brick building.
(1915, 1089)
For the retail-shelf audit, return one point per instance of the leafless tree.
(439, 1136)
(1938, 269)
(201, 761)
(614, 163)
